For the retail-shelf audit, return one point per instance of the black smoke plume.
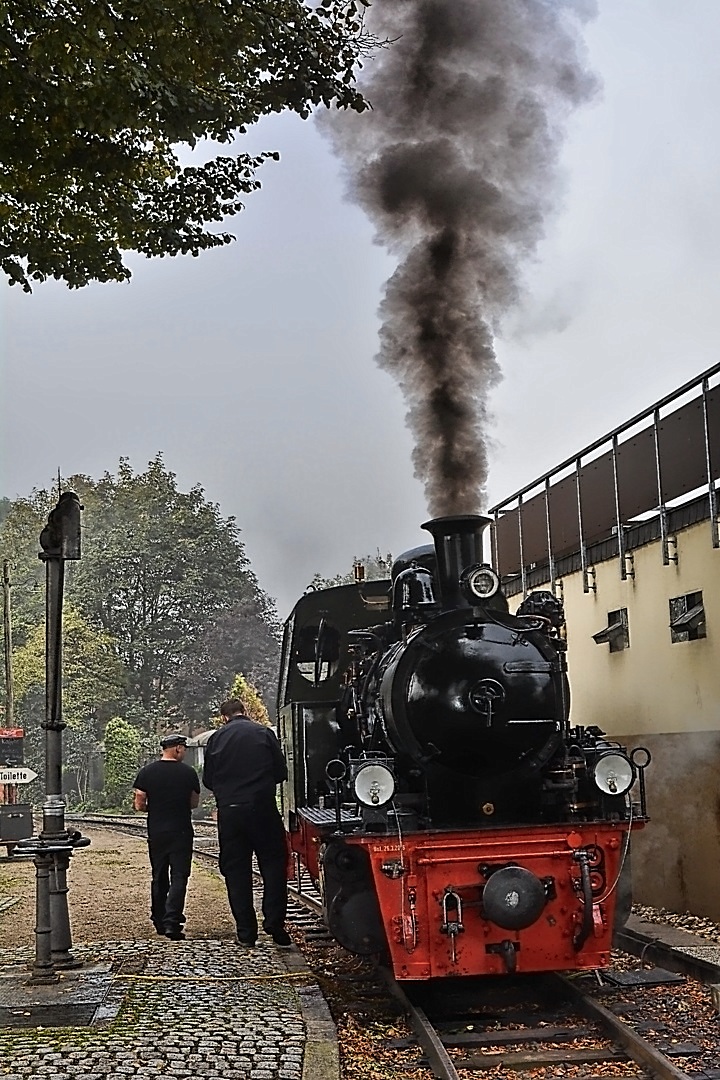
(456, 165)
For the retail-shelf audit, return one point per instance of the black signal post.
(52, 849)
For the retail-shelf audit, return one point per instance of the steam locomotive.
(452, 818)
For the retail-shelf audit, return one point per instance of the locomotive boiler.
(453, 818)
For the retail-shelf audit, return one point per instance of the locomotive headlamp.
(614, 773)
(479, 582)
(374, 784)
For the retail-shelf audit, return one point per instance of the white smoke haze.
(457, 167)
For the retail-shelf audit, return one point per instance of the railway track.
(546, 1023)
(543, 1022)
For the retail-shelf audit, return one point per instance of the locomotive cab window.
(687, 617)
(317, 651)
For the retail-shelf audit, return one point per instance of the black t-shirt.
(168, 786)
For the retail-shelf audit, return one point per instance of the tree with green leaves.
(256, 708)
(100, 99)
(165, 585)
(19, 544)
(123, 748)
(369, 567)
(160, 569)
(94, 686)
(245, 638)
(92, 673)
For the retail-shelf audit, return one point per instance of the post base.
(43, 978)
(66, 961)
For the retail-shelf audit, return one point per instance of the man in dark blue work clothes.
(168, 789)
(243, 766)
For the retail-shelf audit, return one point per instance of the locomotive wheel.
(351, 905)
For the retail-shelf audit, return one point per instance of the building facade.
(626, 533)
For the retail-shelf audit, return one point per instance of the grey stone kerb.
(322, 1057)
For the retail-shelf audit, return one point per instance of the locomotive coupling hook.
(452, 926)
(452, 905)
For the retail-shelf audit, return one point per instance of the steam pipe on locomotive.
(437, 786)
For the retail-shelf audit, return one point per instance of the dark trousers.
(243, 829)
(170, 859)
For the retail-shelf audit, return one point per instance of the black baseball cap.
(173, 740)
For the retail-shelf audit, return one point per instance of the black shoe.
(247, 943)
(175, 934)
(159, 928)
(281, 938)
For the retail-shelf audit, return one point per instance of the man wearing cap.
(243, 765)
(168, 789)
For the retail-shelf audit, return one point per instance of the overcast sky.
(251, 367)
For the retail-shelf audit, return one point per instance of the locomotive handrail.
(585, 927)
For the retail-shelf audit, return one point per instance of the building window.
(687, 617)
(617, 632)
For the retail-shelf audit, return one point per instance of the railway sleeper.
(537, 1059)
(506, 1037)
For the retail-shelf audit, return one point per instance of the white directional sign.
(18, 775)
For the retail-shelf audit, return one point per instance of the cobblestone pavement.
(200, 1008)
(165, 1015)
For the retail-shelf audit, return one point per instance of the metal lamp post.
(52, 849)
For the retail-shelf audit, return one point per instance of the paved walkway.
(196, 1008)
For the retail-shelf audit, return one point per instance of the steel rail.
(429, 1039)
(628, 1042)
(652, 950)
(638, 1049)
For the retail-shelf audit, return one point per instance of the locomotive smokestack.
(458, 545)
(456, 166)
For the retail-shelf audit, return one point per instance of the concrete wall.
(665, 696)
(676, 857)
(655, 685)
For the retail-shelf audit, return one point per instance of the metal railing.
(619, 486)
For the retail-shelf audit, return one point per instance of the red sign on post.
(11, 733)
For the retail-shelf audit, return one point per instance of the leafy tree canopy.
(123, 747)
(167, 580)
(97, 97)
(19, 544)
(159, 568)
(242, 638)
(94, 685)
(255, 706)
(371, 567)
(161, 612)
(93, 677)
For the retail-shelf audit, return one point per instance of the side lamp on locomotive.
(367, 788)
